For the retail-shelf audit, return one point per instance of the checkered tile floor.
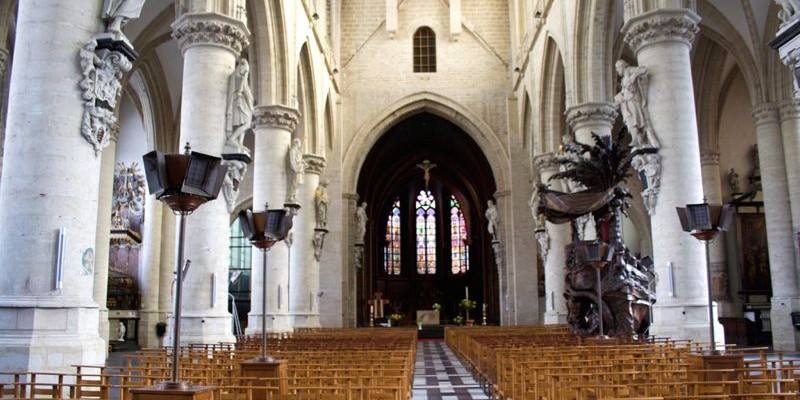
(438, 374)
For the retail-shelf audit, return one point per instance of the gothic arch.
(374, 128)
(307, 104)
(272, 78)
(591, 52)
(552, 123)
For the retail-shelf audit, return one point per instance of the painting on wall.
(753, 253)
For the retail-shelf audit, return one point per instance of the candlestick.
(466, 292)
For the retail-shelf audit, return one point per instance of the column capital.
(765, 113)
(545, 163)
(709, 157)
(210, 29)
(789, 109)
(591, 113)
(314, 164)
(677, 25)
(276, 116)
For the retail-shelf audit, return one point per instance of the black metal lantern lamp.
(704, 221)
(264, 229)
(183, 182)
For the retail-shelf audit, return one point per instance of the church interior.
(560, 199)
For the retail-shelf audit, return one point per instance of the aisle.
(438, 374)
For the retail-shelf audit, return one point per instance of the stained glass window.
(458, 239)
(391, 251)
(426, 233)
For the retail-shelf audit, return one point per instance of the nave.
(438, 374)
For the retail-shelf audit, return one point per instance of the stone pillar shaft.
(150, 273)
(50, 181)
(712, 188)
(166, 271)
(305, 268)
(273, 126)
(661, 40)
(103, 235)
(556, 261)
(588, 118)
(210, 44)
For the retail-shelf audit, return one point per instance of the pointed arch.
(272, 78)
(307, 105)
(369, 133)
(591, 53)
(552, 120)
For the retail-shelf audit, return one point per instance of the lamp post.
(598, 255)
(704, 221)
(264, 229)
(183, 182)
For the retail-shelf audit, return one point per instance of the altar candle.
(466, 292)
(371, 311)
(484, 308)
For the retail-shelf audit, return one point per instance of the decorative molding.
(358, 255)
(543, 238)
(314, 164)
(546, 163)
(648, 166)
(102, 68)
(231, 183)
(789, 109)
(210, 29)
(709, 157)
(276, 116)
(765, 113)
(591, 113)
(661, 26)
(318, 242)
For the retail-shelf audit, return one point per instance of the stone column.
(103, 235)
(50, 182)
(555, 259)
(305, 267)
(4, 56)
(661, 40)
(273, 126)
(588, 118)
(210, 44)
(150, 273)
(781, 192)
(166, 270)
(350, 295)
(720, 285)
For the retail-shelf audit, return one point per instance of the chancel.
(487, 175)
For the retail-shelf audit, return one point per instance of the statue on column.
(493, 219)
(119, 12)
(321, 202)
(361, 222)
(297, 168)
(239, 112)
(632, 101)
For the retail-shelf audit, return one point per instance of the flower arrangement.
(436, 306)
(395, 319)
(467, 304)
(458, 320)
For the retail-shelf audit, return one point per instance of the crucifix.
(426, 166)
(376, 305)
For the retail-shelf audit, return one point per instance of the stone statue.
(230, 184)
(239, 113)
(318, 241)
(121, 332)
(733, 182)
(543, 237)
(321, 202)
(493, 219)
(648, 165)
(297, 168)
(361, 222)
(632, 101)
(790, 9)
(119, 12)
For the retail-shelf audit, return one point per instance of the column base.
(686, 321)
(165, 393)
(301, 320)
(555, 318)
(785, 336)
(147, 328)
(266, 368)
(276, 323)
(50, 339)
(207, 329)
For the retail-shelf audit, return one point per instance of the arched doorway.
(426, 183)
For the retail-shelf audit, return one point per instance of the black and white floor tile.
(438, 374)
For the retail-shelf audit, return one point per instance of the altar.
(427, 317)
